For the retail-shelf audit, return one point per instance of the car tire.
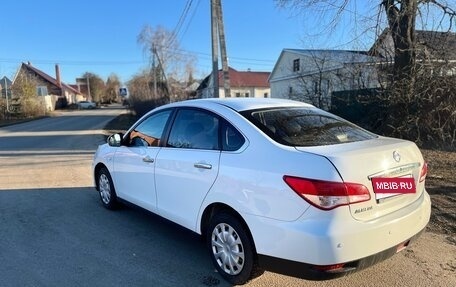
(106, 189)
(231, 249)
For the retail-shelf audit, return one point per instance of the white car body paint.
(250, 181)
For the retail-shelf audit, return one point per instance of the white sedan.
(271, 184)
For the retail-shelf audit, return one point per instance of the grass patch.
(121, 123)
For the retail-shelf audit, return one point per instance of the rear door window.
(194, 129)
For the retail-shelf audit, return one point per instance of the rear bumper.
(316, 272)
(320, 239)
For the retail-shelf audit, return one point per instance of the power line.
(130, 62)
(186, 52)
(190, 21)
(180, 22)
(73, 62)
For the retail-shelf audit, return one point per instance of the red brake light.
(329, 268)
(327, 195)
(424, 171)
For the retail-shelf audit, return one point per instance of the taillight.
(327, 194)
(424, 171)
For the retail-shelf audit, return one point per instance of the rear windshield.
(306, 127)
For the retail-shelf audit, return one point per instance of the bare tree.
(112, 89)
(417, 101)
(24, 91)
(141, 94)
(167, 58)
(401, 18)
(96, 85)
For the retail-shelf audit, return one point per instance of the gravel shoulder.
(441, 185)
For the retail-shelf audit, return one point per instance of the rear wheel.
(231, 248)
(106, 189)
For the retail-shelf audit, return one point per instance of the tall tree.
(401, 17)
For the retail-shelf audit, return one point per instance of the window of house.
(266, 95)
(41, 91)
(316, 88)
(290, 90)
(247, 95)
(360, 80)
(296, 65)
(238, 95)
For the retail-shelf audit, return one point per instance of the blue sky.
(99, 36)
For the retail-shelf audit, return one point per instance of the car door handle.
(148, 159)
(203, 165)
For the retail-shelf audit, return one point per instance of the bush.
(428, 117)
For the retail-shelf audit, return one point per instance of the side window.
(232, 139)
(149, 131)
(194, 129)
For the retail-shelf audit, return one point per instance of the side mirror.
(115, 140)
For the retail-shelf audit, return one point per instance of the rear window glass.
(306, 127)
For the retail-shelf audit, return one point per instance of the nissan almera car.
(271, 184)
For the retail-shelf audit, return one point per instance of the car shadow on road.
(64, 236)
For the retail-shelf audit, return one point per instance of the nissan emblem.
(396, 156)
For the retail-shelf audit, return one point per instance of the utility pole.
(154, 70)
(221, 31)
(214, 34)
(6, 94)
(163, 78)
(89, 96)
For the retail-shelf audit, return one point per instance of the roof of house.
(5, 81)
(76, 87)
(48, 78)
(429, 45)
(244, 79)
(436, 45)
(340, 56)
(241, 79)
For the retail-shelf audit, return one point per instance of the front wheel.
(231, 248)
(106, 189)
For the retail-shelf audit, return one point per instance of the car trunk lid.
(382, 157)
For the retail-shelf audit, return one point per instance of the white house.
(243, 84)
(313, 75)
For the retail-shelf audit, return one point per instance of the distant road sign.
(123, 92)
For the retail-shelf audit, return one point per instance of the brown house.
(52, 91)
(247, 84)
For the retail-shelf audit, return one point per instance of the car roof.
(243, 104)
